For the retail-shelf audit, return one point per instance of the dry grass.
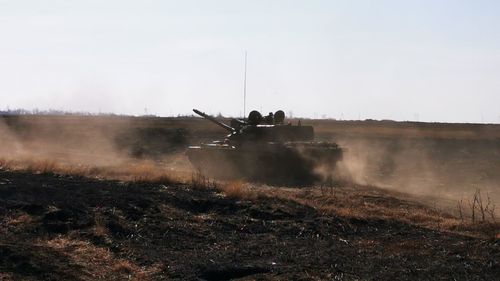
(357, 202)
(139, 171)
(404, 129)
(42, 166)
(124, 267)
(19, 220)
(236, 190)
(99, 263)
(340, 201)
(99, 229)
(373, 203)
(6, 276)
(200, 181)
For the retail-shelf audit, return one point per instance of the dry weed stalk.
(477, 207)
(328, 189)
(460, 210)
(199, 180)
(100, 225)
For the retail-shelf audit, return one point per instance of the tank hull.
(295, 163)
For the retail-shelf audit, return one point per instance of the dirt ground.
(70, 228)
(65, 226)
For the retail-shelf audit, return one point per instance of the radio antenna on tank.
(245, 89)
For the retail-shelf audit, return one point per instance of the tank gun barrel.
(221, 124)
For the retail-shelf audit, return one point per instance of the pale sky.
(403, 60)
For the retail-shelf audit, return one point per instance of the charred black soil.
(72, 228)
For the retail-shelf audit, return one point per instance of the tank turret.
(263, 129)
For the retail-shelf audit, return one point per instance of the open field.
(114, 198)
(443, 160)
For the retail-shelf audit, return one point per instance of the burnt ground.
(184, 233)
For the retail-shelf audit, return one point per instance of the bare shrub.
(478, 209)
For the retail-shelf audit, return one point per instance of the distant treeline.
(57, 112)
(15, 112)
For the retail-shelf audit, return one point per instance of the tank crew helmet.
(254, 118)
(279, 117)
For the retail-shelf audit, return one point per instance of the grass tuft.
(235, 190)
(124, 266)
(19, 220)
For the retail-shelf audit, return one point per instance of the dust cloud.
(440, 168)
(9, 145)
(55, 140)
(100, 142)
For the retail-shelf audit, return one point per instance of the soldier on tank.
(279, 117)
(269, 119)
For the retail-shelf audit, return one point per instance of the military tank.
(265, 149)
